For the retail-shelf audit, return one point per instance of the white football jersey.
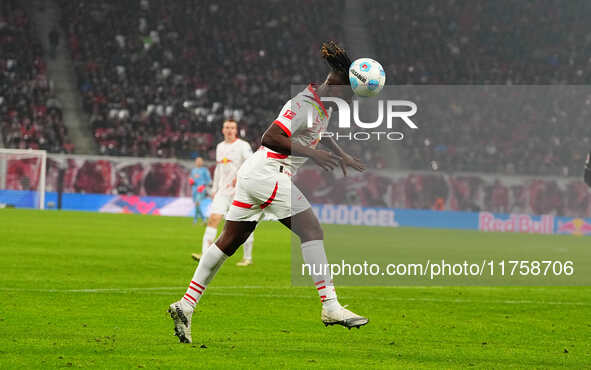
(293, 120)
(229, 158)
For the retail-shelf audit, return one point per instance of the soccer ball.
(367, 77)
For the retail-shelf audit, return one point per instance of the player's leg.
(200, 198)
(293, 210)
(197, 212)
(233, 235)
(247, 251)
(211, 230)
(209, 235)
(195, 203)
(241, 220)
(306, 226)
(219, 206)
(231, 238)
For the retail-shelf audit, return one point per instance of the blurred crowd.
(30, 113)
(482, 41)
(501, 42)
(527, 130)
(435, 191)
(158, 77)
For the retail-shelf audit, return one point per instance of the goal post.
(22, 178)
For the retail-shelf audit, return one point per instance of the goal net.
(22, 178)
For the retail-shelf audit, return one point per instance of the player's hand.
(588, 161)
(353, 162)
(325, 159)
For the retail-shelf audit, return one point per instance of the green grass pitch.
(91, 290)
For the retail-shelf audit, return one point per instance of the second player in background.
(230, 154)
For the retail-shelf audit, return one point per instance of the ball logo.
(354, 82)
(364, 67)
(372, 84)
(358, 75)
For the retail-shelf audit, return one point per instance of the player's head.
(230, 130)
(339, 63)
(198, 162)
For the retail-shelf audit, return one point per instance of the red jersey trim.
(276, 155)
(270, 200)
(283, 127)
(241, 204)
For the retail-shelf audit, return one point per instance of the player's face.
(198, 162)
(339, 87)
(230, 130)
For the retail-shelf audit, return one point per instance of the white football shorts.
(266, 193)
(220, 204)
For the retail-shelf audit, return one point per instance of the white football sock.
(209, 264)
(208, 238)
(315, 257)
(248, 247)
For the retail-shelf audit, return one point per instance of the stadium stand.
(155, 89)
(152, 88)
(482, 42)
(30, 113)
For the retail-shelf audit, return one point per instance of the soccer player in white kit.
(230, 154)
(265, 187)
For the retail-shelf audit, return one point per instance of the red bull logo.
(133, 204)
(576, 226)
(516, 223)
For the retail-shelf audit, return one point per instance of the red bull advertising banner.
(545, 224)
(516, 223)
(326, 213)
(482, 221)
(574, 226)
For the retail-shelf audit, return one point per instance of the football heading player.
(264, 187)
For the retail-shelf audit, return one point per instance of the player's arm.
(346, 159)
(588, 170)
(277, 139)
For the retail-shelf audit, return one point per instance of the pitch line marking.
(214, 291)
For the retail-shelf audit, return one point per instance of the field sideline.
(91, 290)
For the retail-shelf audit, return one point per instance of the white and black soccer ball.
(367, 77)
